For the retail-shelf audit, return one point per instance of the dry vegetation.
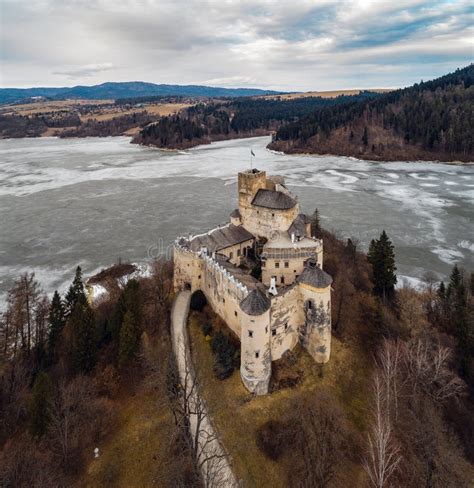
(323, 94)
(229, 399)
(79, 118)
(392, 408)
(50, 106)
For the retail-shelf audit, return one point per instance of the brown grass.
(325, 94)
(50, 106)
(238, 415)
(133, 453)
(162, 109)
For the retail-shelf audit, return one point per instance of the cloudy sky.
(283, 45)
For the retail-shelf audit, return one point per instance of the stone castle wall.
(264, 222)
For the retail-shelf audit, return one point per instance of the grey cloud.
(87, 70)
(270, 43)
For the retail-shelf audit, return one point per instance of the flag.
(252, 153)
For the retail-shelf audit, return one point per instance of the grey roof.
(298, 227)
(235, 214)
(305, 218)
(221, 238)
(273, 199)
(314, 276)
(255, 303)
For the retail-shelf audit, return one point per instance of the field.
(238, 415)
(50, 106)
(72, 115)
(324, 94)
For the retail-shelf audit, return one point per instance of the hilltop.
(431, 120)
(129, 89)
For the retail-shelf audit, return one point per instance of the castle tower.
(250, 182)
(255, 356)
(315, 291)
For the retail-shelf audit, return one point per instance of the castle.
(289, 302)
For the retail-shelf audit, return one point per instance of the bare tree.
(383, 454)
(73, 412)
(388, 363)
(191, 416)
(162, 282)
(23, 299)
(427, 368)
(321, 433)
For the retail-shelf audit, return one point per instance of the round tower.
(255, 356)
(315, 291)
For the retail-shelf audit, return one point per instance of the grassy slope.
(137, 449)
(238, 415)
(133, 453)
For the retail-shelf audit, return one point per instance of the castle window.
(238, 252)
(223, 300)
(282, 279)
(287, 264)
(235, 313)
(277, 264)
(274, 332)
(199, 277)
(257, 354)
(250, 333)
(286, 326)
(266, 330)
(231, 255)
(273, 215)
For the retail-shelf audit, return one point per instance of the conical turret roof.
(255, 303)
(314, 276)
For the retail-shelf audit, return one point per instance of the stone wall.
(316, 332)
(264, 222)
(286, 318)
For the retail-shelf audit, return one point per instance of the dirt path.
(215, 467)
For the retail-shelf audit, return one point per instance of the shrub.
(225, 353)
(270, 439)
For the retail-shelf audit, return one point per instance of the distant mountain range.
(114, 90)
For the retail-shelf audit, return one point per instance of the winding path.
(216, 470)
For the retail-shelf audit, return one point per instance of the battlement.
(290, 301)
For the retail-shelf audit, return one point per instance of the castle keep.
(290, 302)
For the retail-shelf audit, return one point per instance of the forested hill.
(242, 117)
(126, 90)
(431, 120)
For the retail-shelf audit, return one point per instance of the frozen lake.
(91, 201)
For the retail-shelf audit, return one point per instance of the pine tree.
(365, 137)
(315, 224)
(76, 292)
(129, 339)
(129, 300)
(40, 405)
(382, 258)
(84, 349)
(459, 319)
(56, 325)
